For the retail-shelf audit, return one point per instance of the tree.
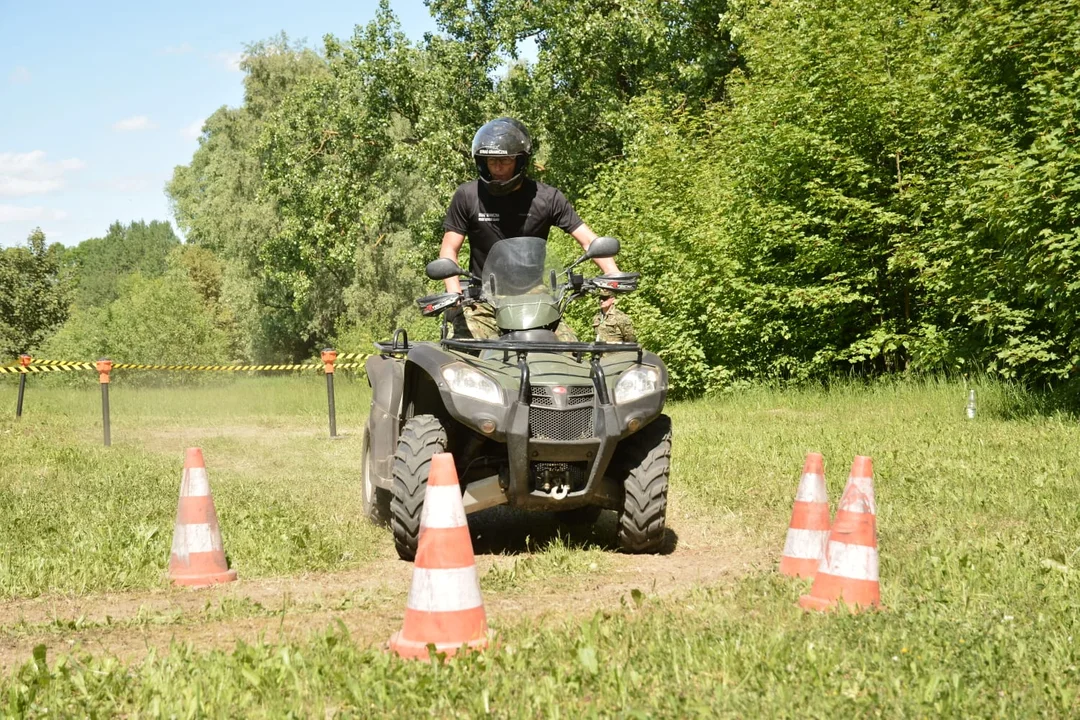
(101, 263)
(220, 200)
(362, 161)
(593, 60)
(35, 295)
(1003, 265)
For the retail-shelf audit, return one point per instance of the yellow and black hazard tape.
(20, 370)
(217, 368)
(73, 364)
(42, 366)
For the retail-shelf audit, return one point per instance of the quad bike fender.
(428, 392)
(386, 375)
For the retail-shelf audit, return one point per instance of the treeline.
(808, 188)
(137, 295)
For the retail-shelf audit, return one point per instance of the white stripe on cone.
(812, 489)
(196, 483)
(443, 507)
(857, 562)
(805, 544)
(194, 538)
(862, 498)
(444, 590)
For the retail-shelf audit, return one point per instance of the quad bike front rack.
(578, 349)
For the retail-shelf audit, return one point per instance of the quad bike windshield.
(518, 282)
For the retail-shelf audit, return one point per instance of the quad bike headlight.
(464, 380)
(636, 383)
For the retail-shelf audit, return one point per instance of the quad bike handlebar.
(621, 283)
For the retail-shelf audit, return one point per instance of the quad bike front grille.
(566, 414)
(576, 396)
(572, 424)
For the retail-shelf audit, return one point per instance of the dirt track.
(369, 601)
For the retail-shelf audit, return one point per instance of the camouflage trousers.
(478, 321)
(614, 326)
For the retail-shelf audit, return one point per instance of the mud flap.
(387, 378)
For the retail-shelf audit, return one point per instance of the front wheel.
(421, 437)
(376, 499)
(644, 514)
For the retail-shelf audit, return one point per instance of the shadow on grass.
(507, 531)
(1012, 401)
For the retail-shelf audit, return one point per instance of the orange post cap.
(104, 367)
(25, 360)
(328, 356)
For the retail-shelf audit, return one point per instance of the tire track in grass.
(370, 602)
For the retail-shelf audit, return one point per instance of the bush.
(159, 321)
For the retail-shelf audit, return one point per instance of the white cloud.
(16, 213)
(31, 174)
(194, 130)
(134, 124)
(17, 187)
(181, 49)
(229, 60)
(19, 76)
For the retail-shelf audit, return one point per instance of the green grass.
(79, 517)
(979, 533)
(545, 564)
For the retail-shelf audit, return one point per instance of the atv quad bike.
(532, 422)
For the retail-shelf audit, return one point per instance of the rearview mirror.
(442, 269)
(603, 247)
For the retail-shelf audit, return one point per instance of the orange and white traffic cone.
(808, 530)
(444, 608)
(849, 569)
(198, 556)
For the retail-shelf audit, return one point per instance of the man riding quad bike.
(533, 422)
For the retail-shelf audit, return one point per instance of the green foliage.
(101, 264)
(841, 186)
(34, 294)
(206, 274)
(859, 201)
(220, 202)
(160, 320)
(1004, 260)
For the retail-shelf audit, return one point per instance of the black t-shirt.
(529, 211)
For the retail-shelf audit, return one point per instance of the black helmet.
(502, 137)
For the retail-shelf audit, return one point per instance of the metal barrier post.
(24, 360)
(329, 355)
(104, 367)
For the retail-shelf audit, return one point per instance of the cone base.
(799, 567)
(811, 602)
(203, 580)
(415, 650)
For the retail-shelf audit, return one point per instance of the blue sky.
(100, 101)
